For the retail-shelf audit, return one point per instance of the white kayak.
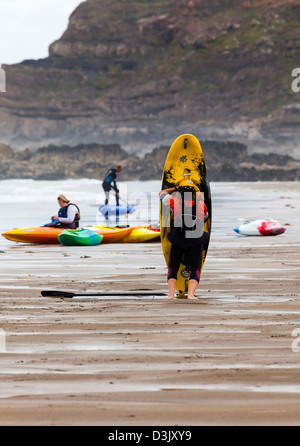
(260, 227)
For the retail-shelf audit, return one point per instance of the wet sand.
(229, 358)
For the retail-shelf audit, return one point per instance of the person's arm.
(169, 191)
(72, 210)
(202, 212)
(115, 187)
(167, 198)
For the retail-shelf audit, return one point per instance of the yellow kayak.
(111, 235)
(185, 160)
(142, 234)
(137, 234)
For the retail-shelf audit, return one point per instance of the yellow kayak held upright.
(185, 160)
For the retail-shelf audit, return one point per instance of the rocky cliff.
(140, 72)
(226, 161)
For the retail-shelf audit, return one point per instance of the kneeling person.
(68, 214)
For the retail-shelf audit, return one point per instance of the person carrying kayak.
(68, 214)
(110, 183)
(187, 237)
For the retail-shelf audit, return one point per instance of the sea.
(28, 203)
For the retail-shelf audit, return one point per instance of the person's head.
(62, 200)
(187, 186)
(119, 169)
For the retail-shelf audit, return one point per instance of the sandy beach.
(228, 358)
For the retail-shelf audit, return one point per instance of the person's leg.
(195, 267)
(193, 283)
(172, 287)
(117, 199)
(106, 197)
(174, 263)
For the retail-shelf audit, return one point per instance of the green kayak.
(71, 237)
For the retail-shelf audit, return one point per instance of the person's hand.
(54, 217)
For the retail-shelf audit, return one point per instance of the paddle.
(67, 294)
(54, 222)
(126, 202)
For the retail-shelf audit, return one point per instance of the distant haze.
(28, 27)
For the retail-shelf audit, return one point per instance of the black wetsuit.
(188, 251)
(110, 183)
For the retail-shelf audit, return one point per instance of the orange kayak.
(48, 235)
(111, 235)
(41, 235)
(137, 234)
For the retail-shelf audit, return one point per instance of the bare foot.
(170, 297)
(192, 297)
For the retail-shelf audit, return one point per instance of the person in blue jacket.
(110, 183)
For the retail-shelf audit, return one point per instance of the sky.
(28, 27)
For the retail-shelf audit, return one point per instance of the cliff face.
(140, 72)
(225, 161)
